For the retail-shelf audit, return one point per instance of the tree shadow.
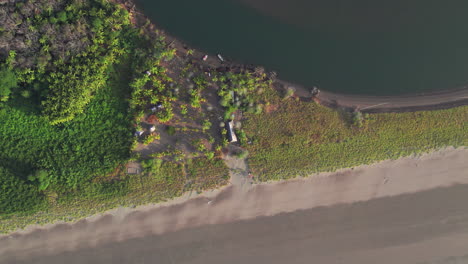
(18, 167)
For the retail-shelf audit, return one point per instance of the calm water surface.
(348, 46)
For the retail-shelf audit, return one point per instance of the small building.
(133, 168)
(230, 131)
(133, 171)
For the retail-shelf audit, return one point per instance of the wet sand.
(421, 228)
(406, 103)
(413, 208)
(444, 99)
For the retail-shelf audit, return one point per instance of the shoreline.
(439, 100)
(411, 102)
(435, 100)
(212, 60)
(235, 203)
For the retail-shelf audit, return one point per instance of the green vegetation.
(158, 183)
(63, 122)
(160, 180)
(16, 194)
(66, 117)
(71, 155)
(242, 154)
(81, 81)
(241, 91)
(301, 138)
(205, 174)
(150, 81)
(66, 77)
(7, 84)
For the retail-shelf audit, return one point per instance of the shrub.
(26, 93)
(150, 138)
(206, 125)
(241, 154)
(7, 83)
(242, 136)
(42, 177)
(183, 109)
(357, 118)
(209, 155)
(16, 195)
(152, 166)
(62, 16)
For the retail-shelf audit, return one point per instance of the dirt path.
(389, 178)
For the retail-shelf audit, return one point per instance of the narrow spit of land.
(443, 99)
(348, 187)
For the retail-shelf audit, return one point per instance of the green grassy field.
(298, 138)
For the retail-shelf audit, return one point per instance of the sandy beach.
(244, 201)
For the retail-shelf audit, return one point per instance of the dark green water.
(360, 47)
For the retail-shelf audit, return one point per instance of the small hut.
(133, 168)
(133, 171)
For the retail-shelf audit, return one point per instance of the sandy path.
(388, 178)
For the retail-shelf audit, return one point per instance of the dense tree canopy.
(63, 50)
(16, 194)
(66, 119)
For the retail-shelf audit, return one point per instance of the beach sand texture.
(442, 168)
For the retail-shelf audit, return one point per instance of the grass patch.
(165, 182)
(300, 138)
(204, 173)
(160, 181)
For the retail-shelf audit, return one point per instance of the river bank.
(436, 100)
(443, 168)
(444, 99)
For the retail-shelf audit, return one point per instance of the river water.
(372, 47)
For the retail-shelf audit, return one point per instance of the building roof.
(230, 131)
